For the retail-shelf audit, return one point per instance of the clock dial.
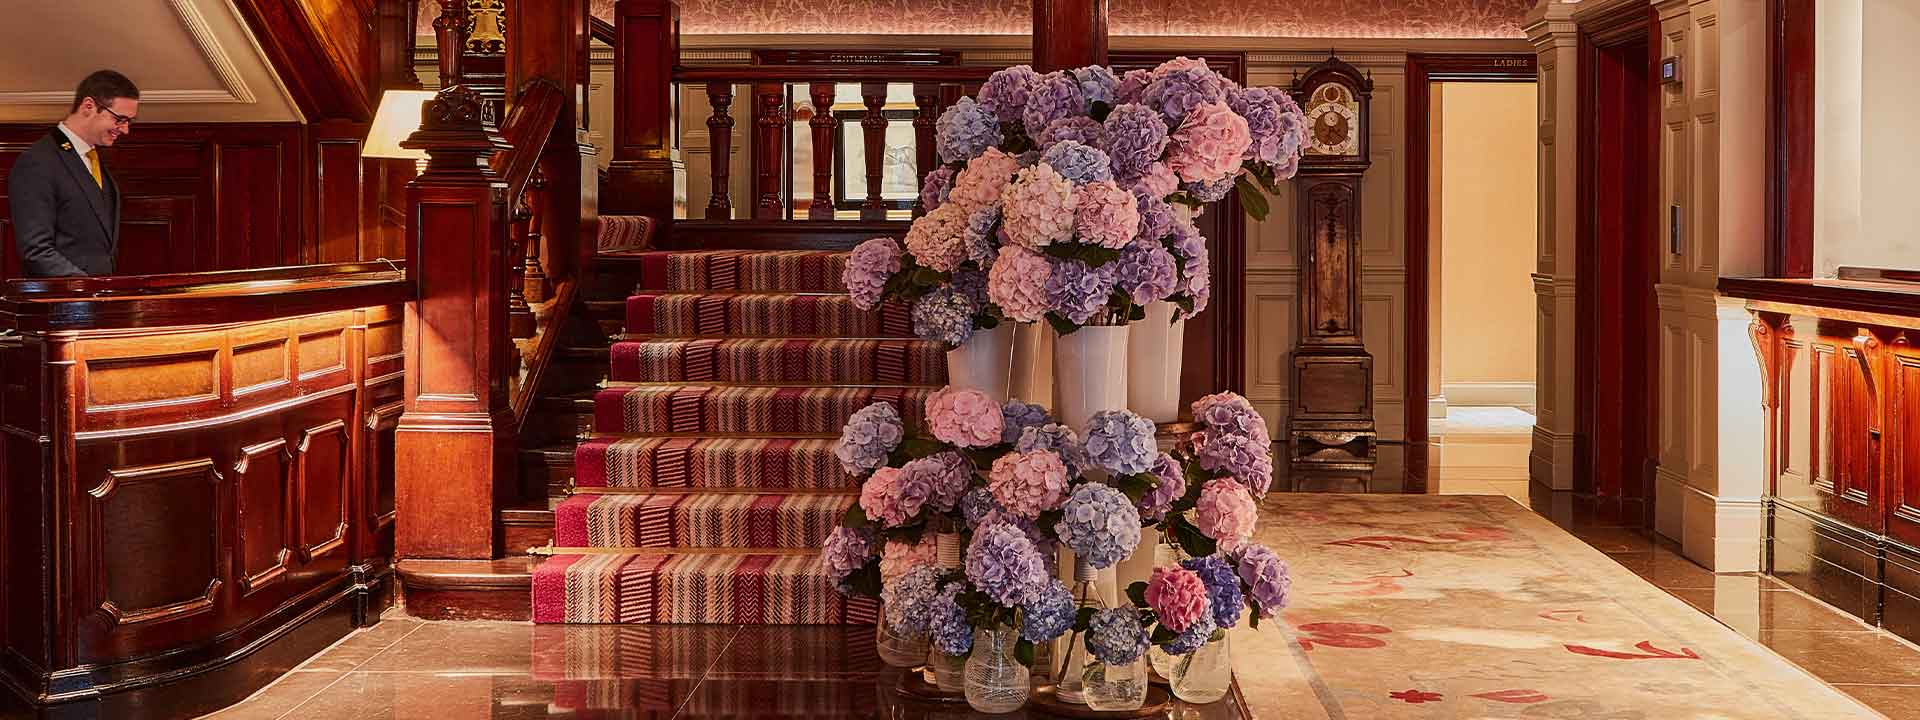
(1335, 129)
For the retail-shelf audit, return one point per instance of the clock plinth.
(1330, 422)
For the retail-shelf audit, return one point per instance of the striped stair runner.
(711, 482)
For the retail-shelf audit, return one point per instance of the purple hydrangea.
(1115, 637)
(1227, 413)
(1191, 639)
(1062, 440)
(1078, 291)
(1146, 272)
(977, 504)
(979, 243)
(1017, 416)
(1136, 136)
(869, 436)
(1156, 215)
(946, 476)
(1100, 524)
(947, 622)
(1172, 486)
(846, 551)
(1133, 86)
(1196, 280)
(1049, 614)
(1097, 83)
(868, 269)
(1239, 456)
(972, 285)
(1043, 543)
(1266, 578)
(1057, 95)
(909, 599)
(943, 315)
(1178, 91)
(1120, 442)
(1078, 163)
(965, 130)
(1079, 128)
(1210, 192)
(1004, 564)
(1223, 588)
(1265, 122)
(934, 188)
(1005, 92)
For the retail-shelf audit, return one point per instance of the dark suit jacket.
(63, 224)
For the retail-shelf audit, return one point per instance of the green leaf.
(866, 580)
(1137, 592)
(1137, 485)
(1187, 199)
(1099, 111)
(1162, 636)
(1023, 651)
(1092, 255)
(1083, 619)
(1061, 325)
(854, 517)
(1135, 313)
(1252, 199)
(1185, 303)
(919, 447)
(1194, 542)
(1218, 633)
(1049, 520)
(985, 321)
(1253, 618)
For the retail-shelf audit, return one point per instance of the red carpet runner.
(711, 484)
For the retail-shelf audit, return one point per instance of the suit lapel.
(96, 197)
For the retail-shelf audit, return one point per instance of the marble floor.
(404, 668)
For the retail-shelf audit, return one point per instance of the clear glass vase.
(946, 672)
(1073, 665)
(1115, 687)
(901, 650)
(1204, 675)
(996, 681)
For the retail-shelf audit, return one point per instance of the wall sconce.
(396, 120)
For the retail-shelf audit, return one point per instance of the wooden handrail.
(537, 361)
(603, 31)
(833, 73)
(527, 127)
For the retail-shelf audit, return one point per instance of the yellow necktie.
(93, 166)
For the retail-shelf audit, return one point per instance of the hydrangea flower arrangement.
(1080, 170)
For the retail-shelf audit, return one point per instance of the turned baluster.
(720, 145)
(534, 283)
(769, 150)
(926, 102)
(875, 127)
(519, 313)
(825, 153)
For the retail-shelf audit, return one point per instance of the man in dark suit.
(66, 208)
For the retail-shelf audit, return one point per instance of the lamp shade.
(397, 118)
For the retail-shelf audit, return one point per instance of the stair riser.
(693, 589)
(817, 361)
(745, 410)
(763, 316)
(718, 464)
(698, 521)
(785, 271)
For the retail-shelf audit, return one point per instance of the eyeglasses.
(118, 119)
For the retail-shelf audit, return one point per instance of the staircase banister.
(603, 31)
(832, 73)
(528, 126)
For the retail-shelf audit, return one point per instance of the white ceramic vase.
(984, 362)
(1090, 371)
(1154, 349)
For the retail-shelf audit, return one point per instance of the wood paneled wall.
(199, 197)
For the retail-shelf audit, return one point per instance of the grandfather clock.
(1330, 425)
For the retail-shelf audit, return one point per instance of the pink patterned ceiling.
(1234, 18)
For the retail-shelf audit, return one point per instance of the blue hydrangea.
(1115, 636)
(1017, 416)
(1136, 136)
(1079, 128)
(1057, 95)
(972, 284)
(1210, 192)
(947, 623)
(909, 599)
(977, 504)
(965, 131)
(1100, 524)
(1058, 438)
(1156, 216)
(1004, 564)
(1177, 92)
(944, 316)
(1120, 442)
(1078, 291)
(935, 187)
(1097, 83)
(1005, 92)
(1048, 615)
(868, 437)
(1223, 588)
(1146, 272)
(1078, 163)
(1172, 486)
(979, 239)
(1195, 636)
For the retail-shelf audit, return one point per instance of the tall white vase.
(1033, 363)
(1090, 369)
(1154, 349)
(984, 362)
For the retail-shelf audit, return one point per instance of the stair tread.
(705, 408)
(698, 520)
(762, 314)
(708, 588)
(729, 269)
(709, 462)
(828, 360)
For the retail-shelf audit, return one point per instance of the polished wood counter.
(198, 488)
(1841, 373)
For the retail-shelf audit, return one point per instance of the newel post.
(646, 153)
(450, 448)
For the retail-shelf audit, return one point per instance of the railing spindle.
(926, 101)
(769, 150)
(825, 155)
(720, 145)
(520, 323)
(534, 283)
(874, 94)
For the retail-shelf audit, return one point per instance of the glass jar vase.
(1204, 675)
(1115, 687)
(901, 650)
(996, 681)
(946, 672)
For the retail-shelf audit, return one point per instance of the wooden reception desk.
(1840, 362)
(198, 488)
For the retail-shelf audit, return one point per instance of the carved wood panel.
(263, 483)
(321, 471)
(1902, 438)
(138, 509)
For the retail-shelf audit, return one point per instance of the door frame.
(1424, 69)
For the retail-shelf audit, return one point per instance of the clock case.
(1330, 424)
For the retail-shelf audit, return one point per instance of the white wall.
(1866, 152)
(1486, 242)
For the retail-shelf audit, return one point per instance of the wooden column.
(825, 154)
(450, 450)
(769, 151)
(926, 102)
(1069, 34)
(646, 157)
(720, 150)
(874, 132)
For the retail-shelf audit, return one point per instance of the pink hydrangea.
(1178, 597)
(964, 417)
(882, 499)
(1158, 181)
(980, 183)
(1104, 215)
(899, 556)
(1181, 63)
(1028, 483)
(1225, 510)
(1208, 146)
(1018, 284)
(1037, 207)
(938, 238)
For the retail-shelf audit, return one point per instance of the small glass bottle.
(1204, 675)
(996, 681)
(1069, 676)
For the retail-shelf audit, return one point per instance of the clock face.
(1333, 121)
